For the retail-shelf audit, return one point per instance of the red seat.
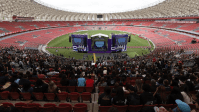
(80, 89)
(30, 109)
(121, 108)
(20, 105)
(38, 96)
(34, 105)
(6, 104)
(135, 108)
(100, 94)
(104, 108)
(64, 107)
(193, 92)
(63, 88)
(58, 83)
(132, 82)
(166, 106)
(50, 96)
(74, 96)
(62, 96)
(113, 94)
(192, 106)
(86, 96)
(111, 87)
(4, 95)
(126, 94)
(89, 89)
(26, 96)
(53, 78)
(80, 107)
(71, 88)
(101, 88)
(150, 105)
(49, 107)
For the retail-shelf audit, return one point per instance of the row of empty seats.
(14, 27)
(48, 107)
(81, 107)
(63, 96)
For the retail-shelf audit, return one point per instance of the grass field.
(63, 41)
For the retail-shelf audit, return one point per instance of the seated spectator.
(40, 86)
(153, 85)
(105, 98)
(146, 98)
(119, 99)
(148, 109)
(111, 81)
(89, 82)
(4, 78)
(186, 94)
(52, 88)
(181, 106)
(6, 87)
(34, 74)
(24, 80)
(102, 82)
(64, 81)
(113, 109)
(166, 85)
(27, 88)
(114, 90)
(73, 81)
(175, 94)
(133, 98)
(174, 82)
(138, 85)
(8, 109)
(197, 105)
(81, 81)
(160, 95)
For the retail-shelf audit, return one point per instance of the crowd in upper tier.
(161, 77)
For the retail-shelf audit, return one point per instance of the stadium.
(133, 58)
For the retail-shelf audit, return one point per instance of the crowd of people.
(160, 77)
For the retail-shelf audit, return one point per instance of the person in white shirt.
(186, 94)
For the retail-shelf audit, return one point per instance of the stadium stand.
(166, 78)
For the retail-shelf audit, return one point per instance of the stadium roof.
(43, 12)
(99, 6)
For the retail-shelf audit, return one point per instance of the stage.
(100, 43)
(99, 51)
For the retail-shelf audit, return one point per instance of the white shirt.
(105, 72)
(186, 98)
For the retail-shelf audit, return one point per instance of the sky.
(99, 6)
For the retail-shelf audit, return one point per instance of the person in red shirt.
(89, 82)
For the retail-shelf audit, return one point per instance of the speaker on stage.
(85, 41)
(129, 39)
(69, 38)
(113, 41)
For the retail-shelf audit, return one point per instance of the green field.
(63, 41)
